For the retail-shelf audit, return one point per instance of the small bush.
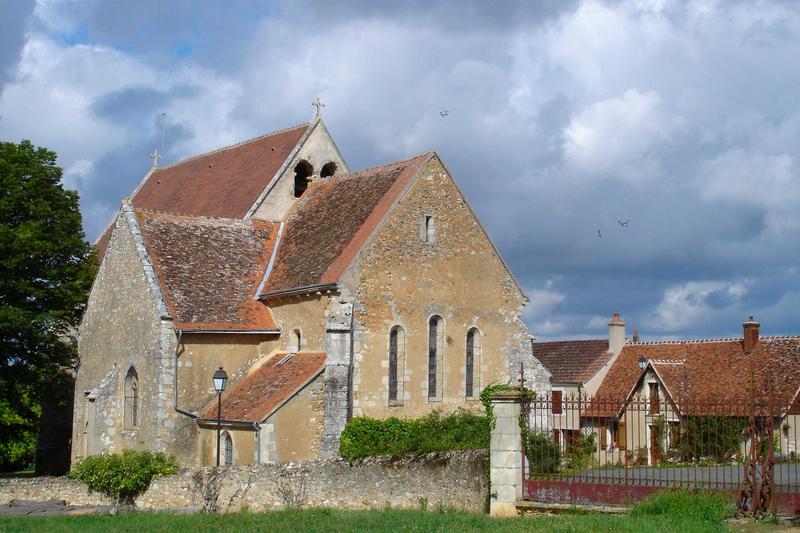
(123, 475)
(704, 506)
(579, 456)
(544, 455)
(435, 432)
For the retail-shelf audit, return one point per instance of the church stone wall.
(201, 354)
(123, 326)
(402, 280)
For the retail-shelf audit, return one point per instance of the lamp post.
(642, 362)
(220, 380)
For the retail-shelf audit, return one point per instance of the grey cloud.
(12, 35)
(514, 80)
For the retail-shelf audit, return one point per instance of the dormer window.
(302, 175)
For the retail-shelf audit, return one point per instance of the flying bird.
(623, 224)
(444, 114)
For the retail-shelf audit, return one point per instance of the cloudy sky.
(564, 118)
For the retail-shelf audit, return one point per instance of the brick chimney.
(616, 334)
(751, 334)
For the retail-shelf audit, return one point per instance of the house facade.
(323, 293)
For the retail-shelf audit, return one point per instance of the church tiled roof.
(268, 387)
(699, 374)
(209, 269)
(573, 361)
(332, 221)
(223, 183)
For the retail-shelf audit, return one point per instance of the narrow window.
(428, 229)
(131, 408)
(435, 348)
(655, 403)
(228, 449)
(472, 361)
(556, 401)
(297, 340)
(328, 170)
(603, 437)
(393, 365)
(397, 357)
(302, 172)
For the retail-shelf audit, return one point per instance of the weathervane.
(316, 103)
(155, 156)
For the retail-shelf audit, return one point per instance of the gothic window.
(302, 173)
(397, 339)
(228, 449)
(473, 362)
(435, 353)
(328, 170)
(131, 409)
(428, 229)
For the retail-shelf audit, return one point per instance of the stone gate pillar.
(505, 454)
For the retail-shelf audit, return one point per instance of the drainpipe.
(177, 353)
(257, 427)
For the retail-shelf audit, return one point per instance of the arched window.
(297, 341)
(302, 172)
(435, 353)
(228, 450)
(131, 409)
(328, 170)
(397, 356)
(472, 366)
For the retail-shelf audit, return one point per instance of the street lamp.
(220, 380)
(642, 362)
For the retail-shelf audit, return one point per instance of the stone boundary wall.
(449, 481)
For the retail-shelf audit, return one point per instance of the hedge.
(435, 432)
(123, 475)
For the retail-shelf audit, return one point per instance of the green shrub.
(580, 455)
(123, 475)
(435, 432)
(705, 506)
(544, 455)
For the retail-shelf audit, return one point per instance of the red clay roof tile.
(702, 373)
(334, 218)
(268, 387)
(572, 361)
(222, 183)
(210, 269)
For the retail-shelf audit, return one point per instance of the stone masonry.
(446, 481)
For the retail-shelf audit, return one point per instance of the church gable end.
(125, 326)
(315, 159)
(429, 259)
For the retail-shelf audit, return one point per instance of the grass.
(679, 511)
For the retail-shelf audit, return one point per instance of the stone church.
(323, 293)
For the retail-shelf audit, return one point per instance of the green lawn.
(670, 512)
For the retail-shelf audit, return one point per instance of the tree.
(46, 270)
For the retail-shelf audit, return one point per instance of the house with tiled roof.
(323, 293)
(574, 369)
(654, 387)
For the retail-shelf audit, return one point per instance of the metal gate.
(589, 450)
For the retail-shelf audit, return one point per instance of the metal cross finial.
(316, 103)
(155, 156)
